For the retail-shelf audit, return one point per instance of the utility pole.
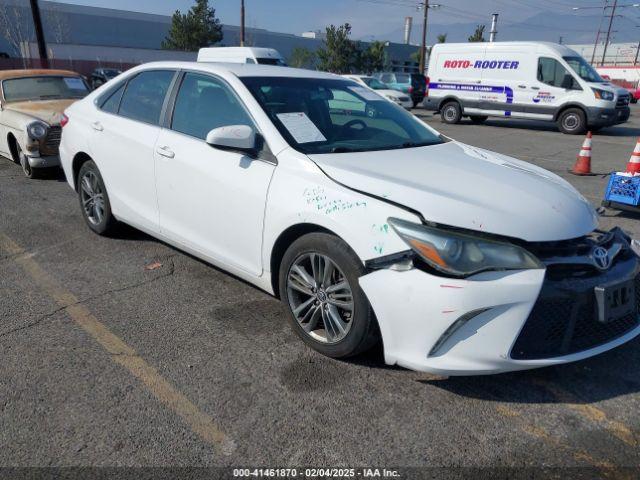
(560, 40)
(635, 61)
(242, 23)
(37, 23)
(423, 47)
(494, 25)
(606, 43)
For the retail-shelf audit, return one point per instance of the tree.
(442, 38)
(373, 59)
(478, 35)
(339, 54)
(302, 58)
(198, 28)
(15, 28)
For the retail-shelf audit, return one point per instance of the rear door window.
(144, 96)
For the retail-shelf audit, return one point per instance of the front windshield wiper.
(43, 97)
(344, 150)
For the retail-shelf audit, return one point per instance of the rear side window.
(204, 103)
(144, 96)
(112, 102)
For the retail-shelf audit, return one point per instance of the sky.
(367, 17)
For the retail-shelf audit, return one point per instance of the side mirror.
(241, 138)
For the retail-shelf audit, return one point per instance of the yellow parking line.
(121, 353)
(591, 413)
(606, 468)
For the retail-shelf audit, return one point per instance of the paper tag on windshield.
(365, 93)
(74, 83)
(301, 128)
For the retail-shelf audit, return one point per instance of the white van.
(263, 56)
(533, 80)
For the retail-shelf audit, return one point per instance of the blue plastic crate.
(623, 189)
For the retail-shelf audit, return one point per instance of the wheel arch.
(79, 159)
(447, 99)
(284, 241)
(566, 107)
(12, 142)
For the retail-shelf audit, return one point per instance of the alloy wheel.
(92, 197)
(320, 298)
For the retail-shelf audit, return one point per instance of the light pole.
(423, 48)
(611, 17)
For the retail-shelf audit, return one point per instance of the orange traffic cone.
(634, 162)
(583, 163)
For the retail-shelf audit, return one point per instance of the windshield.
(43, 88)
(271, 61)
(585, 71)
(335, 116)
(111, 73)
(374, 83)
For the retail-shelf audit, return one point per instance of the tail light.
(410, 89)
(426, 87)
(64, 120)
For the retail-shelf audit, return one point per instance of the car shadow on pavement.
(612, 374)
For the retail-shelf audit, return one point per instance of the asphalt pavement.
(126, 352)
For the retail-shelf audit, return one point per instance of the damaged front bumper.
(496, 322)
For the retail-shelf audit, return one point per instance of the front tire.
(451, 113)
(27, 169)
(94, 201)
(572, 121)
(328, 310)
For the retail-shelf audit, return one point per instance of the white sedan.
(399, 98)
(367, 223)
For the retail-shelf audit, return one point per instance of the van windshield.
(585, 71)
(271, 61)
(317, 115)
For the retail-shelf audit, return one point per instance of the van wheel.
(451, 113)
(477, 119)
(572, 121)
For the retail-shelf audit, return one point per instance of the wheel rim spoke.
(320, 297)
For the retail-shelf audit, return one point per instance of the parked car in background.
(350, 217)
(259, 55)
(100, 76)
(532, 80)
(31, 107)
(399, 98)
(628, 85)
(414, 84)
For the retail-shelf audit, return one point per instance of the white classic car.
(31, 106)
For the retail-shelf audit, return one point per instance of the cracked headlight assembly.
(460, 254)
(37, 130)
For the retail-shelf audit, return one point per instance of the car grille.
(565, 320)
(623, 101)
(51, 142)
(563, 326)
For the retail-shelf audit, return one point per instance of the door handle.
(97, 126)
(165, 152)
(535, 88)
(522, 86)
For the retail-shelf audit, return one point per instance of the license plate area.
(615, 301)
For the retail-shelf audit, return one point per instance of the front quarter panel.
(301, 193)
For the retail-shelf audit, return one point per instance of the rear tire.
(572, 122)
(313, 296)
(94, 201)
(478, 119)
(451, 113)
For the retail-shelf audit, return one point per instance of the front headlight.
(391, 97)
(37, 130)
(602, 94)
(460, 254)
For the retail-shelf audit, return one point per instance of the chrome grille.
(623, 100)
(51, 142)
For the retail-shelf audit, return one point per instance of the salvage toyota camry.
(367, 223)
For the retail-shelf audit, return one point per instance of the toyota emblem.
(601, 258)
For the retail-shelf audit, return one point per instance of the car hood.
(462, 186)
(49, 111)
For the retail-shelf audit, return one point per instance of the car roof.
(4, 74)
(243, 69)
